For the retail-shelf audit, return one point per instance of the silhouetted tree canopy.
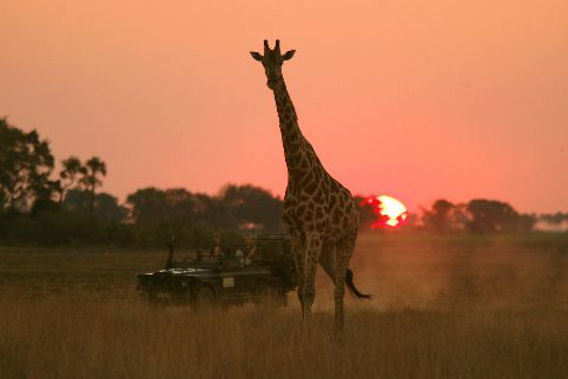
(36, 208)
(554, 218)
(440, 217)
(70, 175)
(445, 216)
(249, 205)
(366, 212)
(148, 206)
(479, 215)
(92, 172)
(497, 216)
(106, 207)
(236, 206)
(26, 164)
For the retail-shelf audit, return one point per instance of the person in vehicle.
(217, 250)
(251, 252)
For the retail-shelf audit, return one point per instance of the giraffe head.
(272, 61)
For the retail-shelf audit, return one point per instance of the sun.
(391, 213)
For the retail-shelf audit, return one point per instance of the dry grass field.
(444, 307)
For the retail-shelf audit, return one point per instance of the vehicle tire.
(204, 297)
(182, 294)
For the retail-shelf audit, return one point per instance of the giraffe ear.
(256, 56)
(288, 55)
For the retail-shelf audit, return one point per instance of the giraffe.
(320, 215)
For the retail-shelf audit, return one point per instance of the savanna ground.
(444, 306)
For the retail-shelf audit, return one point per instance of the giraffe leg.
(298, 255)
(312, 252)
(327, 259)
(344, 250)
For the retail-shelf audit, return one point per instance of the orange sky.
(417, 99)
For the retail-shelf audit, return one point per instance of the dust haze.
(465, 306)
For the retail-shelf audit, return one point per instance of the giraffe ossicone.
(320, 215)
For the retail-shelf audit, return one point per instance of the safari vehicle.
(226, 280)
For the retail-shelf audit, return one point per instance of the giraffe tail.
(352, 288)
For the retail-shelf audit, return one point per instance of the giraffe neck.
(297, 159)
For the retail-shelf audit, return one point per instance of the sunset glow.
(168, 95)
(391, 213)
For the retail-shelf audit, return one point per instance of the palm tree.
(93, 168)
(72, 168)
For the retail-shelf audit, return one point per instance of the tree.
(76, 201)
(26, 164)
(157, 214)
(445, 216)
(252, 206)
(526, 223)
(107, 209)
(91, 171)
(70, 175)
(44, 197)
(496, 216)
(555, 219)
(440, 218)
(181, 207)
(212, 211)
(371, 212)
(367, 214)
(149, 206)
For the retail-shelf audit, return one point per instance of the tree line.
(44, 207)
(478, 215)
(41, 206)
